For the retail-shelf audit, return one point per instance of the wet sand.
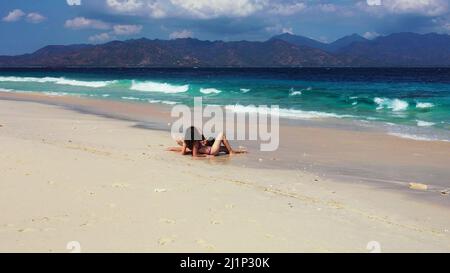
(341, 151)
(110, 185)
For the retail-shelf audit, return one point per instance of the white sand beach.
(111, 186)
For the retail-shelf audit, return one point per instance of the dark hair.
(192, 136)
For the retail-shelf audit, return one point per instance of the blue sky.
(27, 25)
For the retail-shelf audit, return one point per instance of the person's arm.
(183, 149)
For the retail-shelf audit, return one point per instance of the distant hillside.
(300, 41)
(330, 47)
(286, 50)
(180, 52)
(402, 49)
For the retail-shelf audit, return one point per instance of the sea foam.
(167, 88)
(417, 137)
(422, 123)
(208, 91)
(284, 113)
(130, 98)
(422, 105)
(6, 90)
(295, 93)
(60, 81)
(393, 104)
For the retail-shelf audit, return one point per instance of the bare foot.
(235, 152)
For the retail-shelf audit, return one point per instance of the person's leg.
(179, 141)
(216, 147)
(228, 147)
(227, 144)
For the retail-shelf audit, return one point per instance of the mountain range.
(285, 50)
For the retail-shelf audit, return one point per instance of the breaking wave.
(393, 104)
(285, 113)
(60, 81)
(167, 88)
(423, 105)
(208, 91)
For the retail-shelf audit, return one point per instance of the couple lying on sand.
(196, 144)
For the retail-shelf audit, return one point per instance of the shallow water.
(406, 102)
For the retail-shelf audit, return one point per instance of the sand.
(110, 186)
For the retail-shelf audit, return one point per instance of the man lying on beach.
(196, 144)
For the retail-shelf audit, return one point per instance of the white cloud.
(14, 16)
(181, 34)
(278, 28)
(152, 8)
(157, 10)
(74, 2)
(208, 9)
(287, 9)
(331, 9)
(125, 5)
(328, 7)
(373, 2)
(216, 8)
(17, 15)
(121, 30)
(83, 23)
(35, 18)
(426, 7)
(440, 24)
(371, 35)
(420, 7)
(102, 37)
(127, 29)
(287, 30)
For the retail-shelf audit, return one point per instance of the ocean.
(406, 102)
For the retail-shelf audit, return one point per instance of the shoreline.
(112, 187)
(344, 152)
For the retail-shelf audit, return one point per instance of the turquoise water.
(413, 103)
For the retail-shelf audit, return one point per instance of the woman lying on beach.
(196, 144)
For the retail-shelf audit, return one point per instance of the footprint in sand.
(229, 206)
(90, 193)
(26, 230)
(43, 219)
(165, 240)
(215, 222)
(167, 221)
(205, 244)
(120, 185)
(49, 229)
(86, 224)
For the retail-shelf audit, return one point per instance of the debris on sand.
(445, 192)
(418, 186)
